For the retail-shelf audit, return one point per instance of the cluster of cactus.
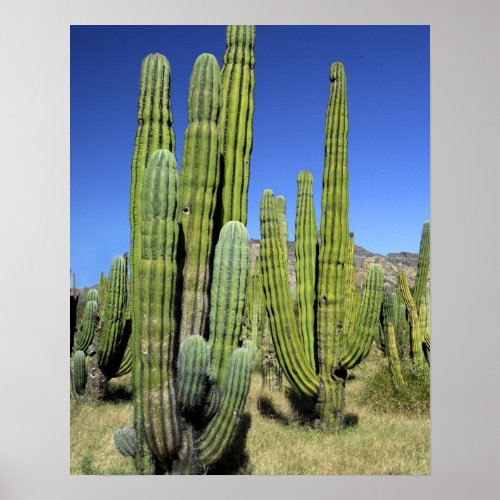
(189, 263)
(405, 310)
(104, 334)
(334, 330)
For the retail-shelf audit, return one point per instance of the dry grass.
(274, 440)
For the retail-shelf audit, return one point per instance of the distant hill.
(362, 259)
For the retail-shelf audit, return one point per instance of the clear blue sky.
(388, 83)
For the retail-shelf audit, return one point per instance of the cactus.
(92, 294)
(235, 121)
(102, 293)
(199, 182)
(114, 338)
(191, 377)
(124, 439)
(338, 350)
(89, 324)
(175, 387)
(154, 132)
(79, 372)
(73, 305)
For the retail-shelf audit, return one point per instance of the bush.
(413, 398)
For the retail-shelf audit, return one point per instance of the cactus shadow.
(267, 409)
(236, 459)
(350, 420)
(303, 407)
(118, 393)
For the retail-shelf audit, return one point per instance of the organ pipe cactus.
(338, 350)
(235, 121)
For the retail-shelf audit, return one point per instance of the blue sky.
(388, 84)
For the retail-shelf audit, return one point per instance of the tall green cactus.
(102, 293)
(191, 377)
(115, 337)
(154, 131)
(235, 121)
(199, 182)
(337, 350)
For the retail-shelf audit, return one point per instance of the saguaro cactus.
(235, 122)
(337, 350)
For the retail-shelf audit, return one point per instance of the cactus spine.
(337, 349)
(235, 122)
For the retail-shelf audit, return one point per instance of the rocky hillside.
(362, 259)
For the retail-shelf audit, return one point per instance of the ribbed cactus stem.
(89, 324)
(424, 317)
(368, 319)
(157, 273)
(125, 441)
(228, 294)
(351, 291)
(394, 362)
(199, 183)
(102, 294)
(334, 236)
(110, 349)
(415, 335)
(79, 372)
(279, 303)
(219, 432)
(154, 131)
(194, 360)
(280, 206)
(92, 294)
(235, 121)
(306, 247)
(423, 266)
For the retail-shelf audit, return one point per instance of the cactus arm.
(306, 247)
(394, 363)
(193, 363)
(227, 303)
(93, 294)
(284, 330)
(157, 318)
(422, 266)
(79, 372)
(220, 430)
(89, 324)
(235, 121)
(199, 182)
(113, 319)
(360, 340)
(415, 336)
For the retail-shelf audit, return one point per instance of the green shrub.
(413, 398)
